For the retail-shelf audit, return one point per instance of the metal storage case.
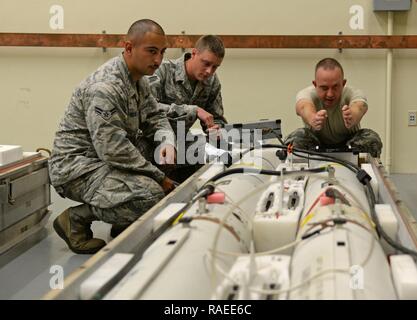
(24, 200)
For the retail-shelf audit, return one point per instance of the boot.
(116, 230)
(73, 226)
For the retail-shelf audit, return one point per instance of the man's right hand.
(318, 120)
(167, 185)
(205, 117)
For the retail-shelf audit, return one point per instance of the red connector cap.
(216, 197)
(324, 201)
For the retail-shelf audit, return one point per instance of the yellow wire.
(178, 218)
(307, 218)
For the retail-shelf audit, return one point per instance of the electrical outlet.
(412, 118)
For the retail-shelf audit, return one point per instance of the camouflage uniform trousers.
(364, 140)
(114, 196)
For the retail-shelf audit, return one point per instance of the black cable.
(149, 239)
(278, 137)
(369, 191)
(209, 187)
(322, 157)
(372, 201)
(328, 157)
(344, 163)
(262, 171)
(371, 198)
(266, 146)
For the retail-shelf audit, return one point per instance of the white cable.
(278, 292)
(358, 203)
(214, 252)
(221, 224)
(263, 253)
(230, 211)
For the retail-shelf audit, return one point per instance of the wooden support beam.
(230, 41)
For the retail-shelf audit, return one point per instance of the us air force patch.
(105, 114)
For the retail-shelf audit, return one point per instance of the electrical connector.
(205, 190)
(185, 220)
(363, 177)
(282, 154)
(339, 221)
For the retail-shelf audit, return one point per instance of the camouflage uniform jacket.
(107, 117)
(172, 89)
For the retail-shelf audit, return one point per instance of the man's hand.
(167, 154)
(205, 117)
(167, 185)
(318, 120)
(214, 131)
(347, 116)
(353, 113)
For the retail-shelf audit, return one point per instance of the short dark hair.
(140, 27)
(328, 63)
(212, 43)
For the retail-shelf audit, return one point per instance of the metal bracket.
(103, 48)
(340, 42)
(6, 192)
(10, 197)
(183, 49)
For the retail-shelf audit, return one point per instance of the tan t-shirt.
(334, 130)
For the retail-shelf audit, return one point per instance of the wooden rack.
(230, 41)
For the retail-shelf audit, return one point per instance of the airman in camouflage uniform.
(332, 112)
(189, 83)
(103, 149)
(188, 88)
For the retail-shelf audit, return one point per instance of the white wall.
(36, 83)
